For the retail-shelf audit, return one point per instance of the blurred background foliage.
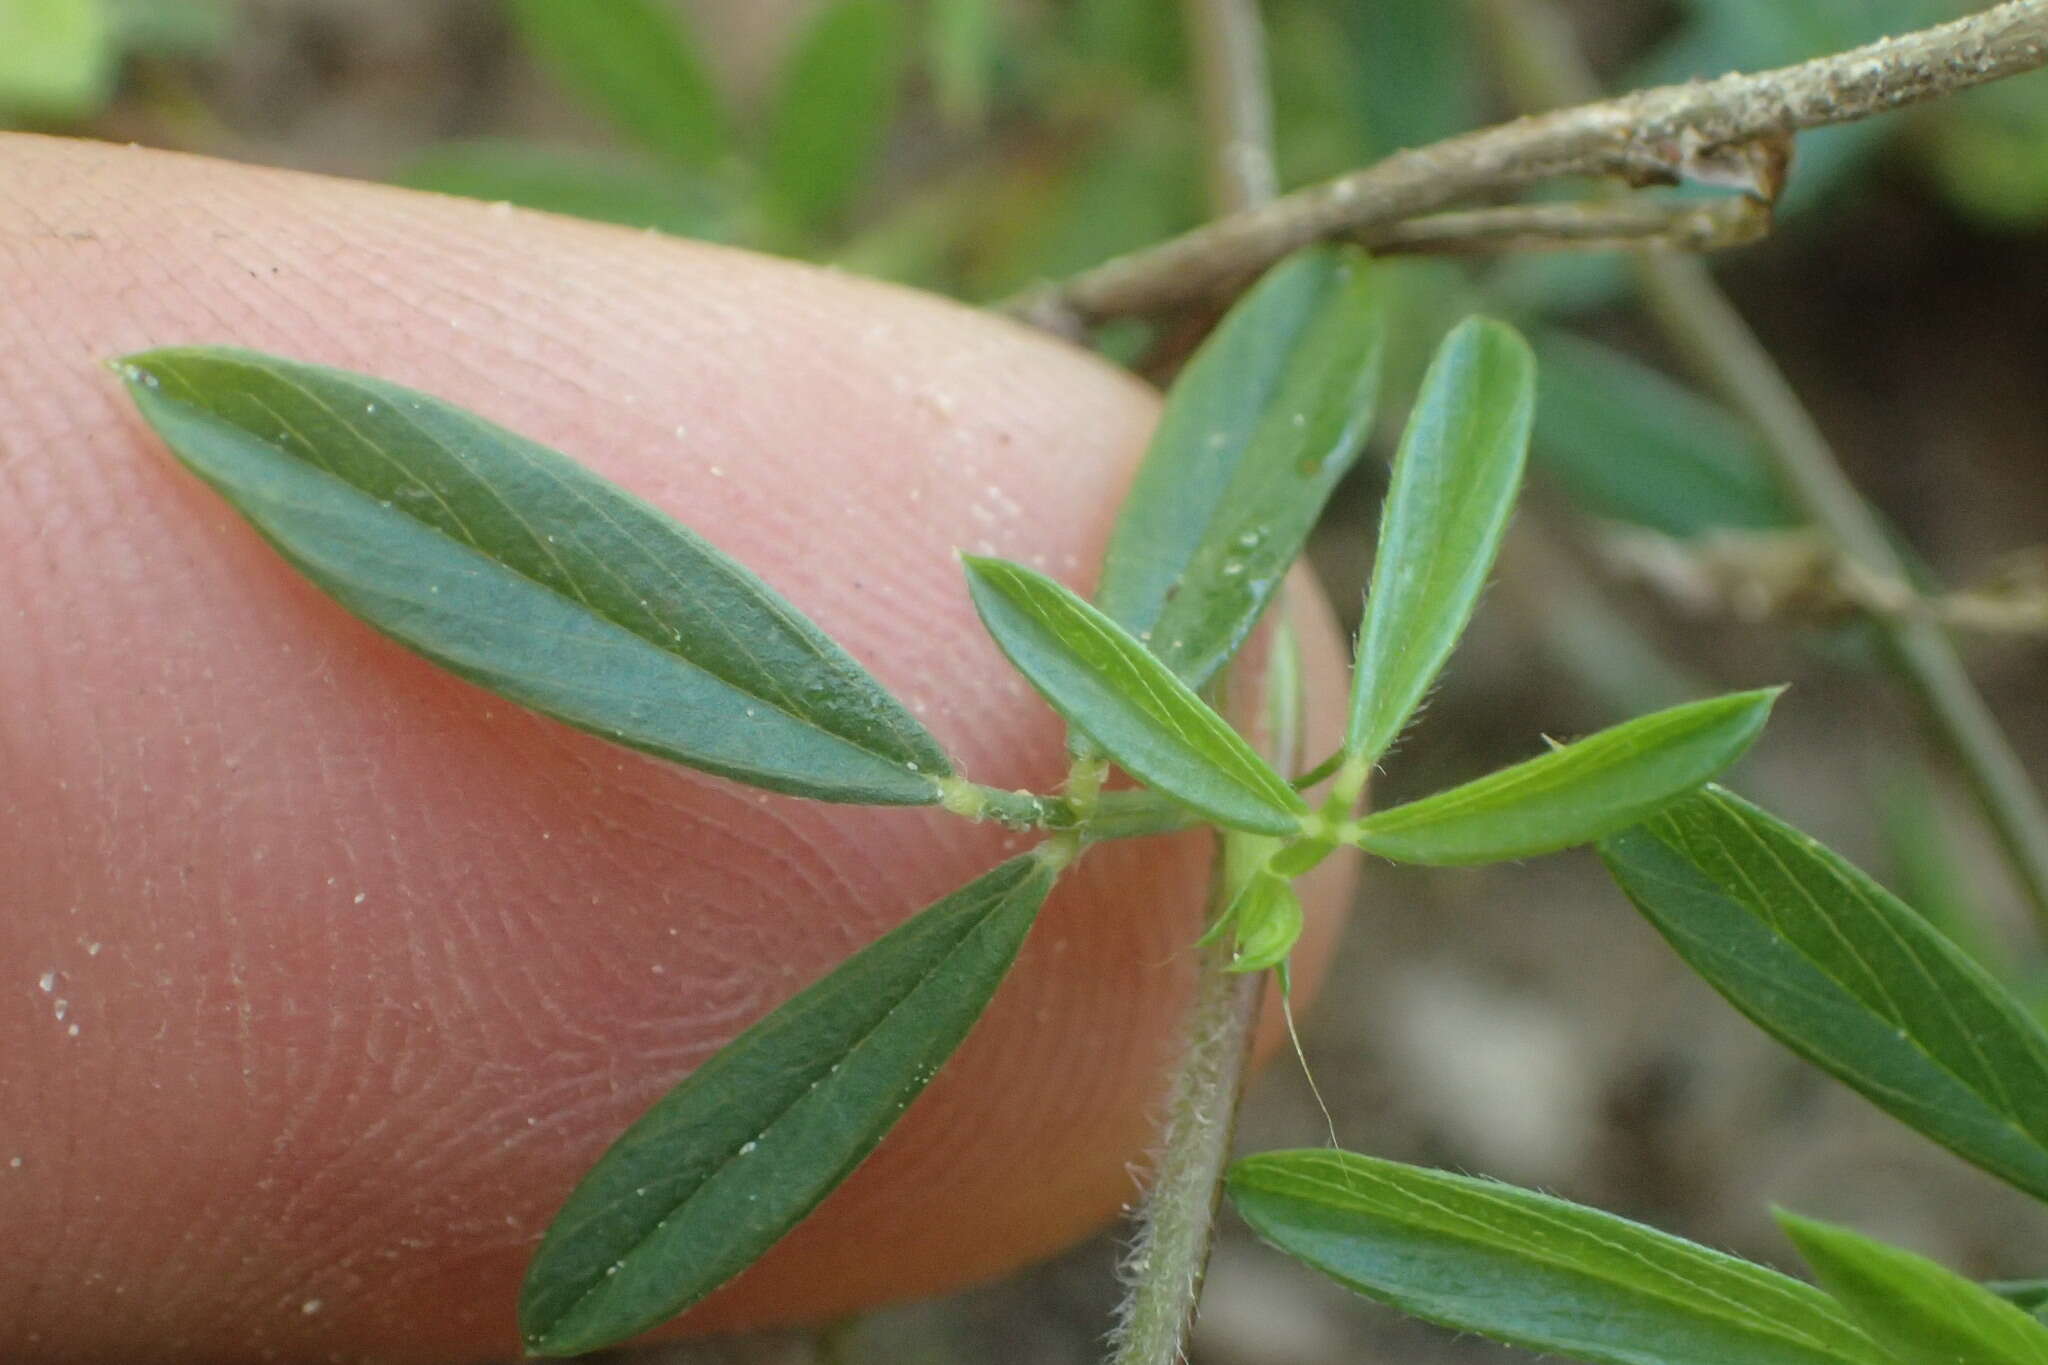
(1513, 1021)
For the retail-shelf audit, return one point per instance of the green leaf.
(633, 60)
(1534, 1271)
(577, 183)
(56, 57)
(1841, 972)
(735, 1156)
(1266, 916)
(523, 572)
(1574, 794)
(832, 113)
(1454, 483)
(1630, 444)
(1921, 1312)
(1111, 688)
(1258, 429)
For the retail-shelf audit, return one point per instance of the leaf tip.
(133, 369)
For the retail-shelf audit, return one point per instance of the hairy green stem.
(1703, 325)
(1176, 1223)
(1170, 1251)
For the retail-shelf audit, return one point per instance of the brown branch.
(1658, 136)
(1703, 325)
(1577, 226)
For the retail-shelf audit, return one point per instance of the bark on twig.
(1702, 130)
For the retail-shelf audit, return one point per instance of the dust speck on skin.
(47, 982)
(14, 1164)
(310, 1307)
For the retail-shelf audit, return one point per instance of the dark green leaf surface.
(1575, 794)
(734, 1157)
(1921, 1312)
(527, 574)
(1257, 430)
(1454, 484)
(1112, 689)
(1630, 444)
(1534, 1271)
(1840, 971)
(632, 60)
(1417, 63)
(832, 113)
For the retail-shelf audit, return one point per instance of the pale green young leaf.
(832, 111)
(633, 60)
(1267, 919)
(735, 1156)
(525, 573)
(1257, 430)
(1921, 1312)
(1574, 794)
(1126, 700)
(1534, 1271)
(1454, 483)
(1846, 975)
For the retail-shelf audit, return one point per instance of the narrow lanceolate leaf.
(529, 575)
(832, 113)
(1454, 484)
(632, 60)
(1257, 430)
(1112, 689)
(1575, 794)
(1846, 975)
(1923, 1313)
(734, 1157)
(1534, 1271)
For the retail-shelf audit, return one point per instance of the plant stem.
(1237, 108)
(1653, 136)
(1703, 325)
(1176, 1222)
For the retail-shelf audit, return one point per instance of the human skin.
(329, 973)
